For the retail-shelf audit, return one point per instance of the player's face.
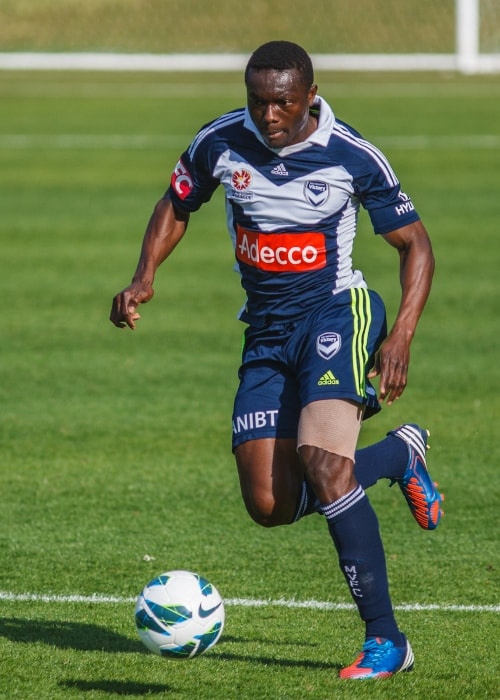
(279, 102)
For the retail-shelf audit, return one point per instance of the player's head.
(282, 56)
(280, 91)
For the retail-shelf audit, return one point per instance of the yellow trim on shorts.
(362, 318)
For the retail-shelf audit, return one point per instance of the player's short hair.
(281, 55)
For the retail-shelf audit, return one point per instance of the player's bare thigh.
(271, 477)
(327, 437)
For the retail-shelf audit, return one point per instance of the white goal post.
(468, 58)
(467, 35)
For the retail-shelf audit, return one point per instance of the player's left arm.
(416, 270)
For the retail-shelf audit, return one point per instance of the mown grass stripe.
(415, 142)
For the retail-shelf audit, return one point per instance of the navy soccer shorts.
(324, 356)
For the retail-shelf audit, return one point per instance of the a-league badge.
(328, 345)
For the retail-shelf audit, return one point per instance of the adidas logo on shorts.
(328, 379)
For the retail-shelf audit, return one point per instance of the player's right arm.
(165, 229)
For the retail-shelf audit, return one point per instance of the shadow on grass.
(116, 687)
(269, 660)
(68, 635)
(283, 663)
(87, 637)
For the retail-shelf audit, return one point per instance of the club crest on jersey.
(328, 344)
(316, 192)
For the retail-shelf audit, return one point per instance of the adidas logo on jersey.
(328, 379)
(279, 170)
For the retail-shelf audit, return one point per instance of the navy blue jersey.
(291, 213)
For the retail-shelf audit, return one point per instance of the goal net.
(345, 34)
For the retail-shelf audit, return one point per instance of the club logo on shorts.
(328, 345)
(316, 192)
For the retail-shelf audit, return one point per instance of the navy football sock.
(386, 459)
(354, 529)
(308, 503)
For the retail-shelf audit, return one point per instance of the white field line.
(483, 63)
(247, 603)
(214, 62)
(151, 141)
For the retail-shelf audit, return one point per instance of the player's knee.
(265, 511)
(331, 475)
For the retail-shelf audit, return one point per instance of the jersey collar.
(319, 137)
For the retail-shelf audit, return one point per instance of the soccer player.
(295, 178)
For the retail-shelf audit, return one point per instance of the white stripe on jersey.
(224, 120)
(369, 148)
(346, 227)
(279, 206)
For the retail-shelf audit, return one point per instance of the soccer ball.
(179, 615)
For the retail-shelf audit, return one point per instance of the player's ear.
(313, 90)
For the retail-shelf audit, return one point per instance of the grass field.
(115, 446)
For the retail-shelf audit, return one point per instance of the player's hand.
(124, 308)
(391, 364)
